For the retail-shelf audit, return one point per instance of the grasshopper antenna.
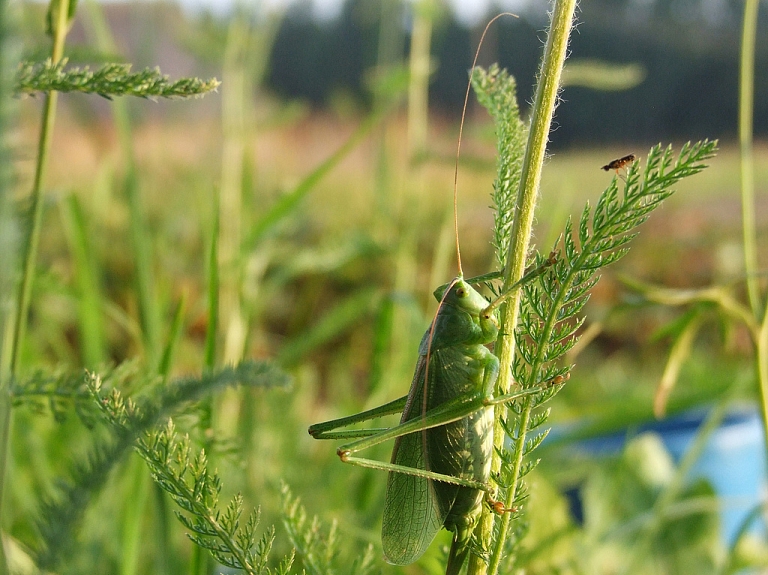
(461, 131)
(456, 173)
(455, 214)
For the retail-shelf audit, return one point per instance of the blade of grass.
(60, 29)
(746, 118)
(16, 330)
(8, 239)
(200, 560)
(141, 238)
(133, 516)
(174, 336)
(209, 354)
(681, 350)
(251, 34)
(142, 248)
(235, 115)
(89, 295)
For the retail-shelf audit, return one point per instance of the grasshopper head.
(459, 296)
(459, 293)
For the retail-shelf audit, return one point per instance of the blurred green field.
(323, 236)
(339, 294)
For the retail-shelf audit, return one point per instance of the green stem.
(36, 209)
(418, 86)
(761, 364)
(31, 243)
(33, 237)
(235, 114)
(541, 120)
(746, 112)
(209, 349)
(8, 247)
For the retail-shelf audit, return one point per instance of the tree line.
(687, 50)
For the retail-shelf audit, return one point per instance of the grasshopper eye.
(461, 292)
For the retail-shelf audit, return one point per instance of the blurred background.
(330, 166)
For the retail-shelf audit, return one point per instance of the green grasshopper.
(440, 466)
(441, 461)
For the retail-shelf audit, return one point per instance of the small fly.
(619, 163)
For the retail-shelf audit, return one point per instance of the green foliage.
(128, 419)
(551, 312)
(496, 91)
(131, 404)
(318, 549)
(52, 15)
(552, 307)
(195, 490)
(682, 537)
(107, 81)
(87, 274)
(62, 392)
(132, 417)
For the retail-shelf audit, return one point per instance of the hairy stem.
(541, 119)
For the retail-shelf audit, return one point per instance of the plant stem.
(746, 112)
(761, 364)
(541, 119)
(8, 239)
(36, 209)
(235, 118)
(31, 242)
(140, 236)
(418, 86)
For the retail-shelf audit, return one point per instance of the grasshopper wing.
(412, 511)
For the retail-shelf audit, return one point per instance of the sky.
(469, 11)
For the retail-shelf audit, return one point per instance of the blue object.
(733, 460)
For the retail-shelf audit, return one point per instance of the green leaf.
(109, 80)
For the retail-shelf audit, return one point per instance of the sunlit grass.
(307, 268)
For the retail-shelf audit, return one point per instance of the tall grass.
(8, 245)
(333, 298)
(758, 299)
